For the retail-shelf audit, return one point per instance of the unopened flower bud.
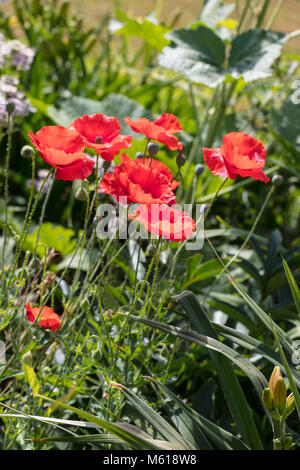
(152, 148)
(287, 442)
(274, 377)
(279, 395)
(199, 169)
(278, 445)
(81, 194)
(106, 165)
(35, 263)
(277, 180)
(139, 155)
(10, 107)
(180, 160)
(27, 151)
(267, 398)
(290, 404)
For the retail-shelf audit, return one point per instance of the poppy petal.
(77, 171)
(169, 122)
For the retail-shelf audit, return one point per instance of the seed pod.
(106, 165)
(139, 155)
(10, 107)
(199, 169)
(180, 160)
(27, 151)
(81, 194)
(277, 180)
(152, 148)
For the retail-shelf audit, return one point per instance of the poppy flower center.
(98, 139)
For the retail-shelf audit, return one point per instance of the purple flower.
(39, 181)
(9, 93)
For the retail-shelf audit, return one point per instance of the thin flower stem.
(244, 243)
(262, 14)
(6, 193)
(274, 14)
(243, 16)
(27, 226)
(43, 215)
(118, 342)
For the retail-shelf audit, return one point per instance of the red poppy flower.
(240, 154)
(48, 318)
(63, 149)
(140, 182)
(161, 130)
(102, 133)
(163, 220)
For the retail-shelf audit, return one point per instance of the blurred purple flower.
(9, 93)
(39, 181)
(15, 54)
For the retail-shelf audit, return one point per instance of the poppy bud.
(279, 395)
(180, 160)
(267, 398)
(199, 169)
(139, 155)
(152, 148)
(35, 263)
(81, 194)
(204, 208)
(106, 165)
(277, 180)
(27, 151)
(10, 107)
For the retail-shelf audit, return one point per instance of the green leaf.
(293, 286)
(286, 341)
(133, 436)
(253, 53)
(112, 105)
(200, 55)
(159, 423)
(253, 345)
(197, 53)
(246, 366)
(286, 122)
(57, 237)
(207, 270)
(234, 395)
(195, 426)
(151, 33)
(29, 372)
(288, 373)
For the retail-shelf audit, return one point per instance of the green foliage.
(160, 347)
(200, 55)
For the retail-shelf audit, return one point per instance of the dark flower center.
(98, 139)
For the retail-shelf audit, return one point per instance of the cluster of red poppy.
(144, 181)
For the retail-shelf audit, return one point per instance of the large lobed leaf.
(200, 55)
